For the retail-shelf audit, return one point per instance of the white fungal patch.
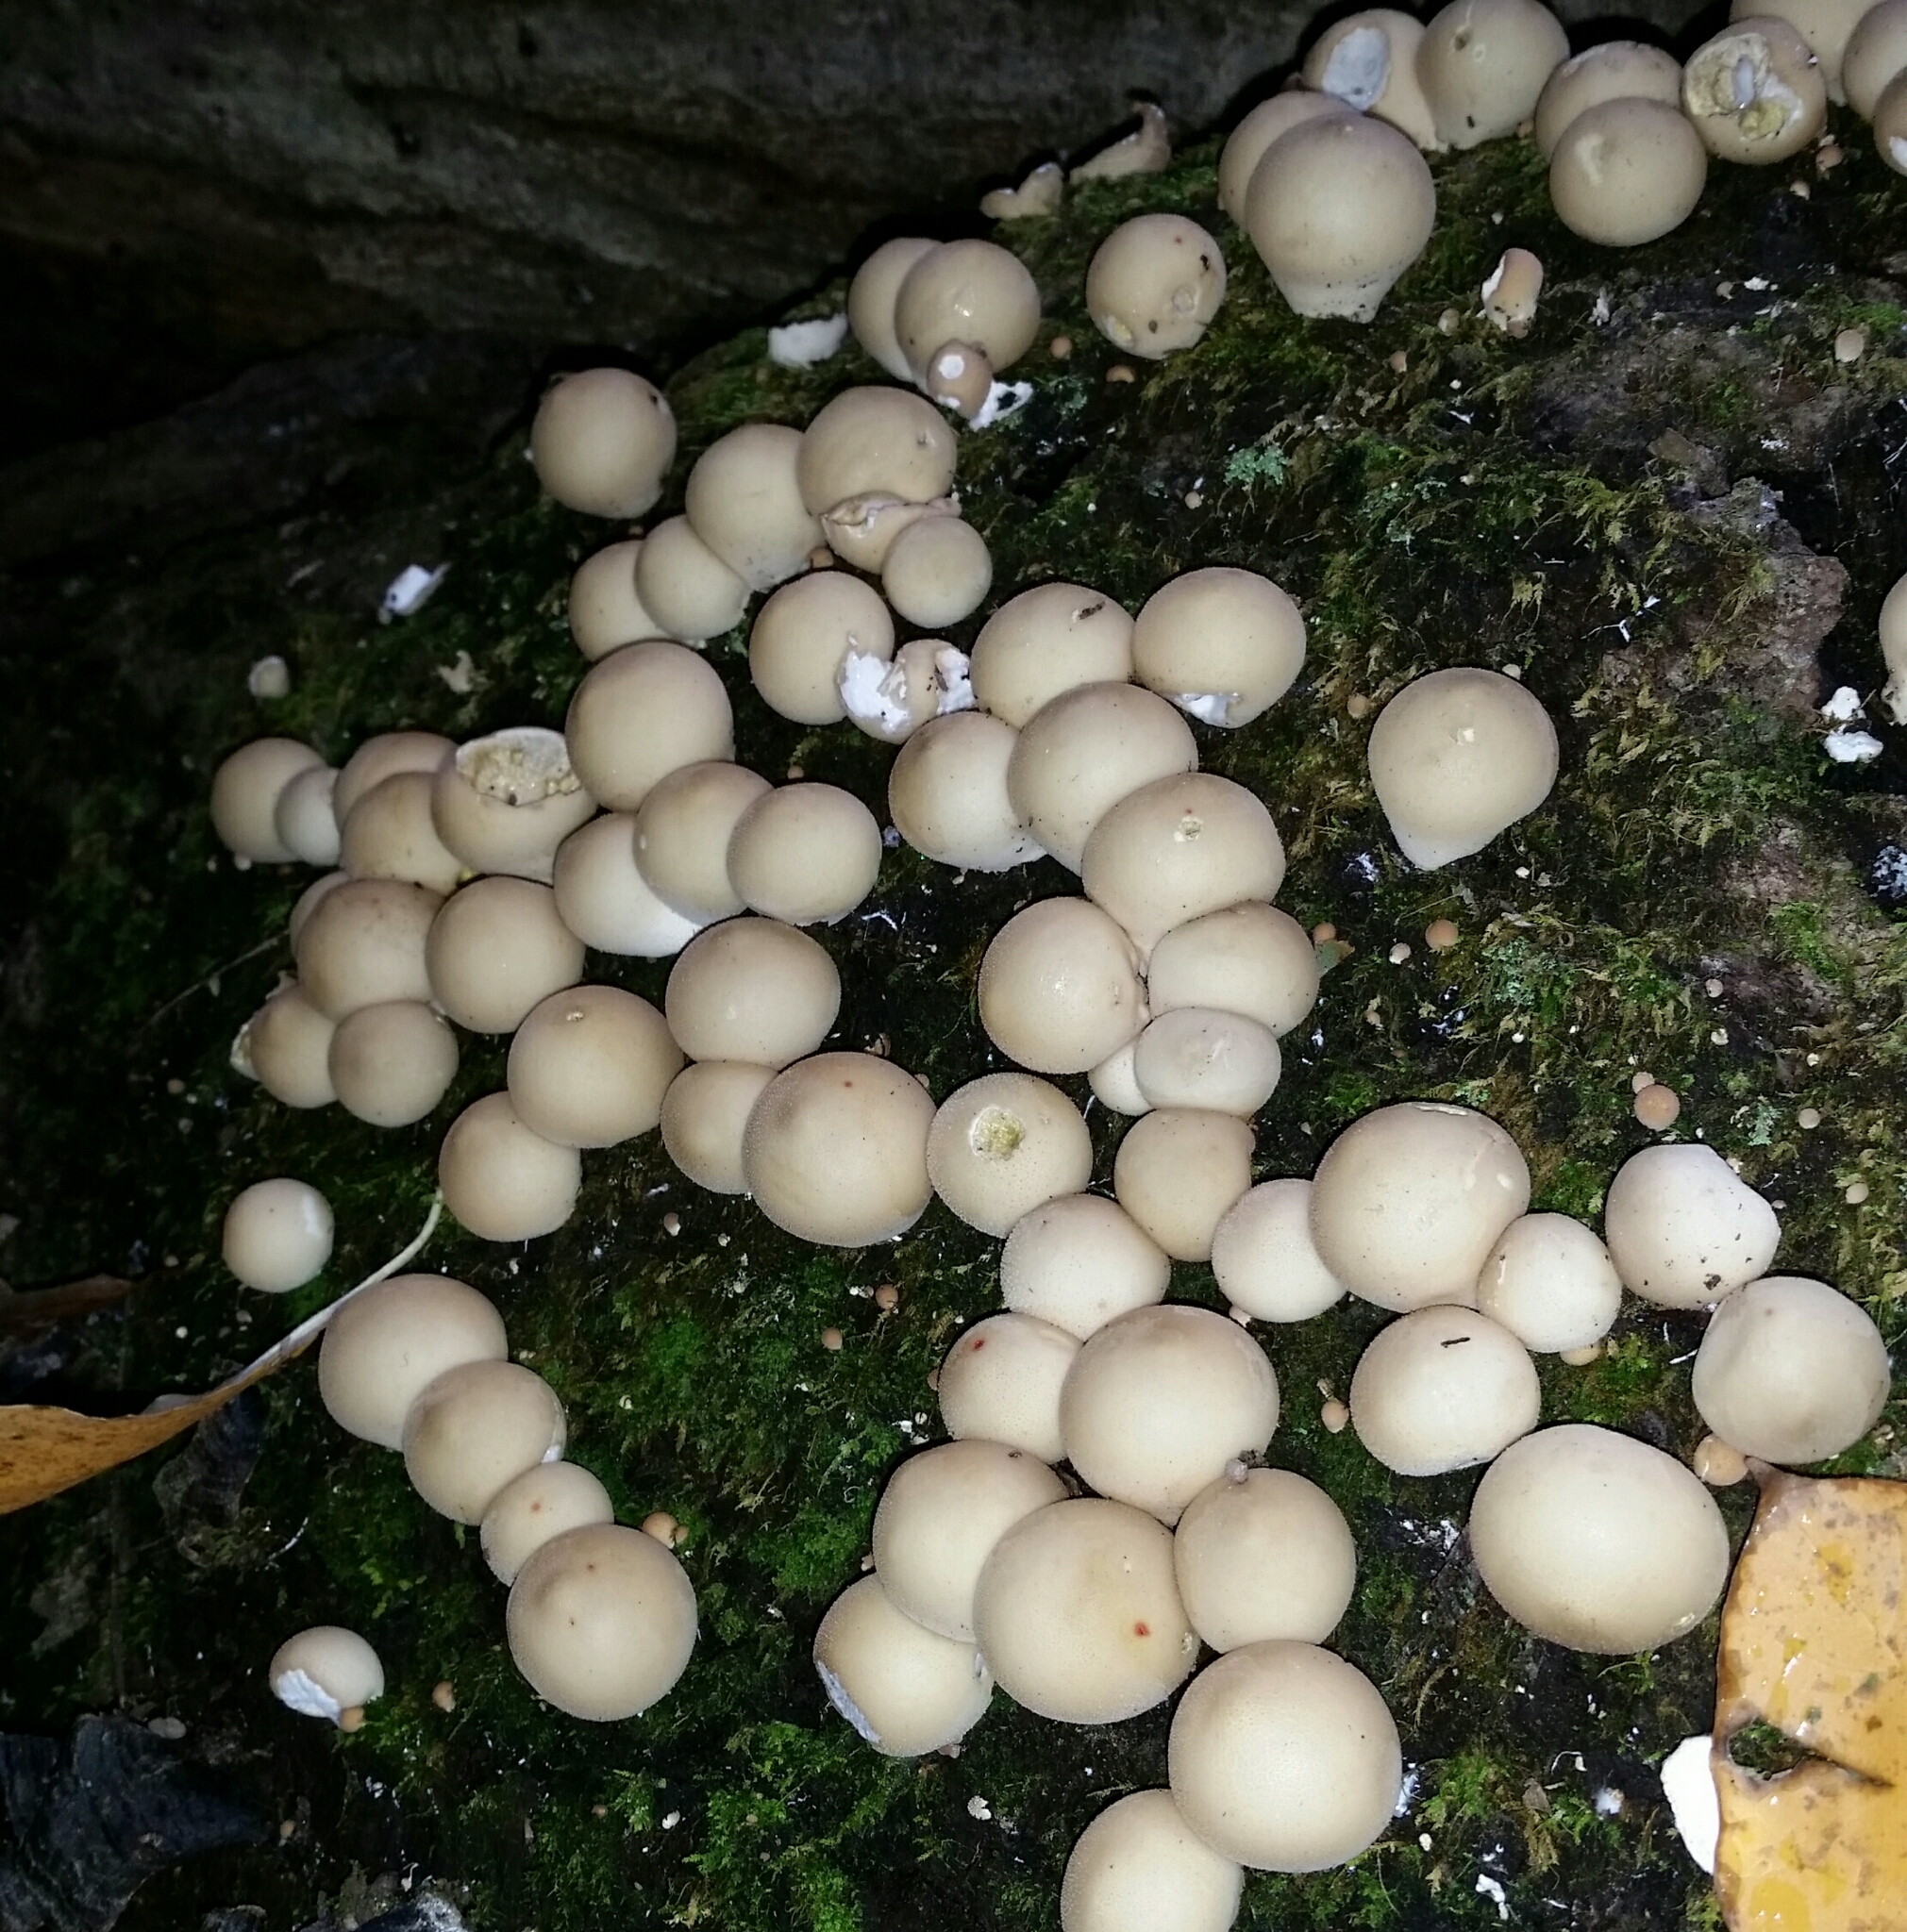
(837, 1695)
(410, 589)
(1208, 707)
(1004, 399)
(1688, 1784)
(270, 678)
(297, 1691)
(1851, 747)
(873, 691)
(1493, 1889)
(1844, 707)
(1358, 69)
(953, 676)
(802, 344)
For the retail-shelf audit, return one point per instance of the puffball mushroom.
(604, 899)
(876, 441)
(325, 1672)
(1441, 1389)
(928, 679)
(303, 818)
(496, 949)
(969, 292)
(601, 1621)
(704, 1115)
(1875, 54)
(1161, 1400)
(287, 1043)
(752, 990)
(1198, 1056)
(1826, 26)
(605, 611)
(1890, 143)
(384, 757)
(1457, 756)
(1368, 61)
(392, 1063)
(1248, 958)
(1551, 1282)
(1792, 1371)
(1001, 1381)
(277, 1235)
(948, 795)
(246, 793)
(1683, 1228)
(504, 803)
(528, 1510)
(639, 715)
(1483, 65)
(1284, 1758)
(939, 1519)
(1114, 1084)
(307, 903)
(1610, 70)
(390, 835)
(1004, 1145)
(1080, 1262)
(871, 296)
(1263, 1555)
(1059, 987)
(1046, 641)
(806, 855)
(1245, 145)
(1596, 1542)
(1626, 171)
(602, 441)
(743, 502)
(960, 378)
(682, 832)
(1223, 644)
(475, 1428)
(861, 530)
(905, 1689)
(1509, 292)
(691, 591)
(1139, 1867)
(1078, 1612)
(1338, 209)
(1154, 285)
(802, 634)
(588, 1067)
(1264, 1260)
(1755, 92)
(1176, 1173)
(502, 1181)
(937, 571)
(835, 1151)
(365, 943)
(385, 1346)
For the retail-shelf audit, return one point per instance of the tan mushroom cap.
(1139, 1867)
(905, 1689)
(603, 898)
(1264, 1260)
(1178, 1171)
(304, 819)
(805, 853)
(1441, 1389)
(682, 833)
(287, 1043)
(541, 1503)
(1875, 53)
(496, 949)
(326, 1671)
(969, 292)
(1245, 145)
(1368, 61)
(1755, 92)
(1827, 26)
(928, 679)
(277, 1235)
(1059, 987)
(363, 943)
(640, 713)
(392, 1063)
(603, 609)
(588, 1067)
(1890, 143)
(1155, 284)
(501, 1180)
(876, 441)
(959, 377)
(1221, 643)
(691, 593)
(704, 1115)
(1201, 1056)
(1263, 1555)
(937, 571)
(1000, 1382)
(752, 990)
(384, 1347)
(505, 803)
(307, 903)
(1551, 1282)
(802, 634)
(602, 441)
(1003, 1145)
(1249, 958)
(1610, 70)
(384, 757)
(861, 530)
(1080, 1262)
(1046, 641)
(1078, 1612)
(475, 1428)
(1596, 1542)
(1683, 1228)
(390, 835)
(948, 795)
(246, 793)
(743, 502)
(1628, 172)
(601, 1621)
(871, 297)
(1483, 65)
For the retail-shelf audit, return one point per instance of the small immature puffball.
(384, 757)
(1176, 1173)
(303, 818)
(1115, 1085)
(641, 713)
(392, 1063)
(287, 1043)
(1610, 70)
(1338, 209)
(1368, 61)
(1223, 644)
(1046, 641)
(602, 441)
(323, 1672)
(1003, 1145)
(1078, 755)
(905, 1689)
(603, 898)
(928, 679)
(1596, 1542)
(752, 990)
(1442, 1388)
(862, 529)
(1264, 1259)
(1551, 1282)
(365, 943)
(802, 634)
(948, 795)
(937, 571)
(705, 1114)
(1248, 958)
(1890, 143)
(390, 835)
(277, 1235)
(1509, 292)
(1158, 1401)
(835, 1151)
(871, 295)
(1826, 26)
(1059, 987)
(604, 610)
(1201, 1056)
(505, 802)
(1626, 171)
(1080, 1262)
(540, 1504)
(682, 833)
(601, 1621)
(1245, 145)
(959, 377)
(743, 502)
(1154, 285)
(1262, 1554)
(475, 1427)
(939, 1519)
(965, 291)
(384, 1347)
(1139, 1867)
(1078, 1612)
(588, 1067)
(1001, 1381)
(246, 793)
(690, 591)
(496, 949)
(1875, 54)
(807, 854)
(1683, 1228)
(502, 1181)
(1792, 1371)
(1457, 756)
(1286, 1757)
(1483, 65)
(876, 441)
(1755, 92)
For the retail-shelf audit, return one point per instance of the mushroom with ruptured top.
(1003, 1145)
(907, 1690)
(327, 1671)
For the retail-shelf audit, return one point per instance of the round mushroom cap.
(323, 1672)
(1001, 1381)
(1626, 171)
(588, 1067)
(928, 679)
(1248, 958)
(384, 757)
(541, 1503)
(1755, 92)
(1245, 145)
(704, 1115)
(1080, 1262)
(1139, 1867)
(1264, 1260)
(743, 502)
(277, 1235)
(1441, 1389)
(475, 1427)
(1457, 756)
(602, 441)
(1154, 285)
(496, 949)
(392, 1063)
(905, 1689)
(1078, 755)
(385, 1346)
(937, 571)
(605, 611)
(1003, 1145)
(1368, 61)
(1890, 126)
(947, 796)
(365, 943)
(1078, 1612)
(1596, 1542)
(876, 441)
(1286, 1757)
(287, 1043)
(603, 898)
(1201, 1056)
(752, 990)
(862, 529)
(1610, 70)
(806, 855)
(1683, 1228)
(1409, 1200)
(939, 1519)
(502, 1181)
(682, 834)
(969, 292)
(1059, 987)
(1338, 209)
(1222, 644)
(1875, 54)
(1046, 641)
(1261, 1555)
(1826, 26)
(1176, 1173)
(641, 713)
(303, 817)
(246, 793)
(871, 296)
(835, 1151)
(505, 803)
(1483, 65)
(802, 635)
(1551, 1282)
(1116, 1084)
(1178, 848)
(1791, 1371)
(307, 903)
(601, 1621)
(691, 591)
(390, 835)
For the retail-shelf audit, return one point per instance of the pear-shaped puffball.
(1248, 958)
(1610, 70)
(1046, 641)
(1139, 1867)
(705, 1117)
(1683, 1228)
(605, 612)
(1626, 171)
(870, 300)
(246, 788)
(805, 853)
(384, 1347)
(752, 990)
(304, 817)
(1223, 644)
(384, 757)
(602, 441)
(1368, 61)
(1201, 1057)
(501, 1179)
(277, 1235)
(682, 833)
(1177, 1171)
(969, 292)
(937, 571)
(876, 441)
(948, 795)
(803, 633)
(1002, 1145)
(692, 594)
(1265, 1261)
(640, 714)
(364, 942)
(743, 502)
(1483, 65)
(1442, 1388)
(1116, 1082)
(287, 1046)
(1154, 285)
(1263, 1554)
(475, 1427)
(392, 1063)
(390, 835)
(1080, 1262)
(604, 899)
(496, 949)
(905, 1689)
(1755, 92)
(325, 1672)
(588, 1067)
(1248, 144)
(1875, 54)
(1001, 1382)
(1060, 989)
(540, 1504)
(1551, 1282)
(309, 900)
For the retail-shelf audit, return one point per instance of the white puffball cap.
(603, 898)
(1245, 145)
(1201, 1056)
(682, 833)
(1551, 1282)
(1755, 92)
(1610, 70)
(1177, 1171)
(304, 819)
(1059, 987)
(870, 300)
(705, 1116)
(385, 1346)
(590, 1066)
(937, 571)
(602, 441)
(948, 795)
(1683, 1228)
(691, 593)
(1139, 1867)
(323, 1672)
(1483, 64)
(876, 441)
(969, 292)
(475, 1427)
(1001, 1382)
(496, 949)
(277, 1235)
(393, 1063)
(1264, 1260)
(805, 853)
(1625, 172)
(1441, 1389)
(604, 610)
(391, 834)
(502, 1179)
(752, 990)
(1251, 958)
(386, 755)
(744, 501)
(1046, 641)
(364, 942)
(1003, 1145)
(905, 1689)
(1262, 1554)
(802, 634)
(1224, 644)
(287, 1046)
(531, 1508)
(1080, 1262)
(246, 788)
